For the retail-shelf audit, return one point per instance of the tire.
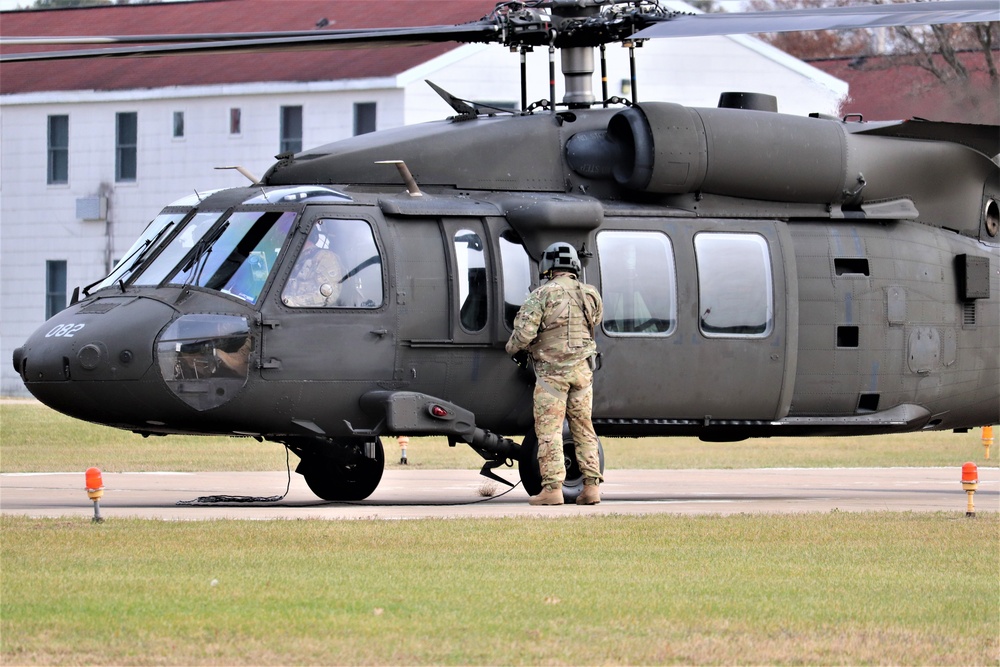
(531, 475)
(349, 473)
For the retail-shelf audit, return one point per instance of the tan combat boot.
(548, 496)
(591, 495)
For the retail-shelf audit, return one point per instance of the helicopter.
(763, 274)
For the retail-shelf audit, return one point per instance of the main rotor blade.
(831, 18)
(145, 45)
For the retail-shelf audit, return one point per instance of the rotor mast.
(575, 28)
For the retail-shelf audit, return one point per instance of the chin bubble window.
(205, 358)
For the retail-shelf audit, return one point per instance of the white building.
(90, 150)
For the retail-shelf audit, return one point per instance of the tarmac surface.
(441, 494)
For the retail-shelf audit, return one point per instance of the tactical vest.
(568, 325)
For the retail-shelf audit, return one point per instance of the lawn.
(836, 588)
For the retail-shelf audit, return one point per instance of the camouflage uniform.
(555, 325)
(315, 280)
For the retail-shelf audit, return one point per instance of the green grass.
(838, 588)
(34, 438)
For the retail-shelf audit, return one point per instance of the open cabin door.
(699, 323)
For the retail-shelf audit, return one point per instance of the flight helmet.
(559, 256)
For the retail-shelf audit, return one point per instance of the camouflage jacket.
(556, 324)
(315, 280)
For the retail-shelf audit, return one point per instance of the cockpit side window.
(638, 283)
(338, 267)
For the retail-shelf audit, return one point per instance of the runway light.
(95, 489)
(987, 439)
(403, 441)
(95, 483)
(970, 480)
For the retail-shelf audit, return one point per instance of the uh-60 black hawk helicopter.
(762, 274)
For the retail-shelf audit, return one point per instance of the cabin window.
(638, 283)
(735, 287)
(516, 275)
(178, 125)
(58, 149)
(339, 267)
(470, 259)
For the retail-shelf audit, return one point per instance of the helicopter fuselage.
(859, 294)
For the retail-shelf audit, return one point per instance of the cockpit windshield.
(155, 232)
(239, 262)
(233, 255)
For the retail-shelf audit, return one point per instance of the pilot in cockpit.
(315, 280)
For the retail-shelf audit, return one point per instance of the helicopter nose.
(95, 360)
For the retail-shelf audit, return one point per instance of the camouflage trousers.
(566, 395)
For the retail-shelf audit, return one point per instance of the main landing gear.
(339, 469)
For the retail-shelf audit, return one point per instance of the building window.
(291, 129)
(178, 124)
(55, 286)
(735, 287)
(235, 121)
(58, 149)
(364, 117)
(126, 146)
(638, 283)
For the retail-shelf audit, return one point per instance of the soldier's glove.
(521, 358)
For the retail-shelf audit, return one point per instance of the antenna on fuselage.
(246, 172)
(411, 183)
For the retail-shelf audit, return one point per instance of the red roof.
(212, 16)
(883, 88)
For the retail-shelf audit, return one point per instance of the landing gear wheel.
(531, 475)
(342, 469)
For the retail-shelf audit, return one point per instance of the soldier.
(556, 327)
(316, 279)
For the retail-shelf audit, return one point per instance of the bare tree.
(934, 48)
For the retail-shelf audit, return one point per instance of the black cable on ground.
(216, 500)
(236, 501)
